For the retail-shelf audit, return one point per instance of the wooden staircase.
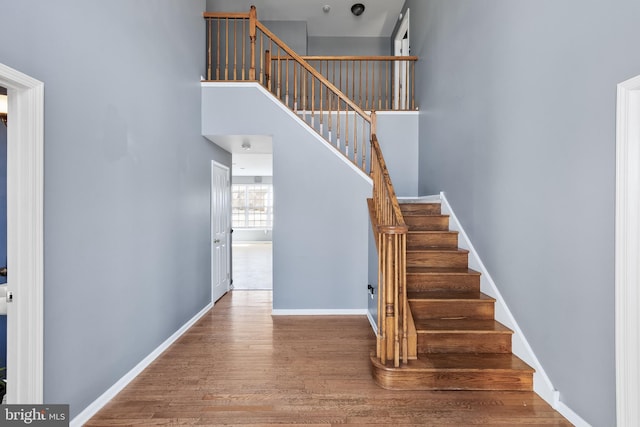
(460, 346)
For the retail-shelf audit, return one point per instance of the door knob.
(3, 271)
(216, 241)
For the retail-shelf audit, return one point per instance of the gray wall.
(398, 137)
(320, 229)
(518, 128)
(362, 46)
(127, 180)
(293, 33)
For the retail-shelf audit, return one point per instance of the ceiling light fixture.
(3, 109)
(246, 146)
(326, 8)
(357, 9)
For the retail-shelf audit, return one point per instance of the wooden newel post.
(252, 37)
(267, 69)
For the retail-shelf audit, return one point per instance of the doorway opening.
(252, 221)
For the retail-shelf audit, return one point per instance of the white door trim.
(627, 268)
(400, 83)
(25, 328)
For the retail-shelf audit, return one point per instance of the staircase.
(436, 330)
(459, 344)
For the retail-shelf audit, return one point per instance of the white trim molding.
(627, 246)
(101, 401)
(541, 383)
(25, 333)
(319, 312)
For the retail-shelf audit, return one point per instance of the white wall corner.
(542, 384)
(101, 401)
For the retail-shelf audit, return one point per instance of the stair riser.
(427, 223)
(420, 208)
(450, 309)
(458, 380)
(458, 282)
(441, 240)
(464, 342)
(437, 259)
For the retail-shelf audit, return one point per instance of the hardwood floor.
(241, 366)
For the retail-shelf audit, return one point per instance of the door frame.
(25, 178)
(627, 247)
(400, 70)
(215, 165)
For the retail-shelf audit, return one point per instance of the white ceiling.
(378, 19)
(256, 161)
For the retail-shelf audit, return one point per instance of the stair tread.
(467, 362)
(432, 232)
(438, 294)
(460, 325)
(439, 249)
(441, 270)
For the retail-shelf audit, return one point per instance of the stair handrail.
(374, 82)
(391, 239)
(354, 125)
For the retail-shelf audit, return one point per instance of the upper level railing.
(391, 239)
(373, 82)
(241, 48)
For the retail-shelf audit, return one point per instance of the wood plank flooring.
(240, 366)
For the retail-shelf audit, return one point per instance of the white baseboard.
(101, 401)
(542, 384)
(319, 312)
(372, 321)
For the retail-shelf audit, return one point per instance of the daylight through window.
(252, 206)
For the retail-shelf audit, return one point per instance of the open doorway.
(252, 221)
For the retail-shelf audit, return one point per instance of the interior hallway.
(252, 265)
(241, 366)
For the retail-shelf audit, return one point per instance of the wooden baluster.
(366, 86)
(413, 85)
(235, 50)
(406, 82)
(252, 38)
(295, 87)
(243, 49)
(320, 85)
(286, 81)
(226, 51)
(390, 294)
(262, 81)
(380, 85)
(330, 114)
(338, 119)
(279, 73)
(387, 83)
(267, 69)
(396, 335)
(355, 138)
(346, 129)
(360, 104)
(353, 80)
(209, 42)
(404, 303)
(218, 52)
(313, 101)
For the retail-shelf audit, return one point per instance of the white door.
(220, 230)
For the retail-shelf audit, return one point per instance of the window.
(252, 206)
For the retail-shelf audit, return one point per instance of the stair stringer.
(321, 217)
(542, 384)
